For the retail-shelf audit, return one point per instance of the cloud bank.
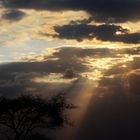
(100, 10)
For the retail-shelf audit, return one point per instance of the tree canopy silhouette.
(22, 115)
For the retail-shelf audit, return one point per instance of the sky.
(88, 49)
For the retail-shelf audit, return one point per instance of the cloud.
(104, 32)
(61, 59)
(129, 38)
(113, 111)
(100, 10)
(130, 86)
(133, 80)
(30, 77)
(13, 15)
(25, 83)
(57, 71)
(70, 73)
(122, 67)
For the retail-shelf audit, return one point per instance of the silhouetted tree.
(24, 114)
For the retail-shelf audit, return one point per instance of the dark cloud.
(16, 78)
(60, 61)
(126, 83)
(113, 111)
(65, 58)
(120, 69)
(129, 38)
(84, 31)
(68, 62)
(80, 53)
(13, 15)
(101, 10)
(70, 73)
(105, 32)
(22, 83)
(50, 66)
(133, 80)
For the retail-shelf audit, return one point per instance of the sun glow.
(118, 33)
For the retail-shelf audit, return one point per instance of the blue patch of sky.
(26, 48)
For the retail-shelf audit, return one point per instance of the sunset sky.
(85, 48)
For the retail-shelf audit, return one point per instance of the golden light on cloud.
(94, 75)
(29, 28)
(119, 33)
(89, 51)
(96, 64)
(131, 26)
(52, 78)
